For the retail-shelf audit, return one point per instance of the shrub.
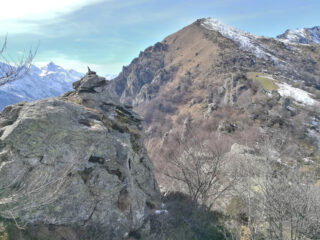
(187, 220)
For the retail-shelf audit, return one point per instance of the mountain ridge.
(40, 82)
(264, 50)
(304, 35)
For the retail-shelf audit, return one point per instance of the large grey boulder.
(75, 167)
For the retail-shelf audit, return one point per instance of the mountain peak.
(214, 23)
(245, 40)
(51, 66)
(224, 29)
(304, 35)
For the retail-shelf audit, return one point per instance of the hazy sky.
(107, 34)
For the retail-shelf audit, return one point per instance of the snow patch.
(158, 212)
(43, 73)
(307, 160)
(301, 96)
(295, 35)
(162, 210)
(139, 215)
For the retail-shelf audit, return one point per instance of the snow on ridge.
(252, 43)
(297, 36)
(51, 68)
(297, 94)
(110, 76)
(246, 40)
(302, 36)
(315, 34)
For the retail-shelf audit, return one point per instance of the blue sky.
(107, 34)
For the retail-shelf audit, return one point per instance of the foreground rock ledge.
(75, 167)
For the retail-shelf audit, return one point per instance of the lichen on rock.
(74, 163)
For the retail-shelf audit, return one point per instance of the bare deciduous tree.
(12, 69)
(200, 167)
(291, 205)
(282, 202)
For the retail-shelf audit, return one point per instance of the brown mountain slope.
(216, 79)
(204, 53)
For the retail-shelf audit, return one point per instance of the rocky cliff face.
(75, 167)
(143, 76)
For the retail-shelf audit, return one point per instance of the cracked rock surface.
(75, 167)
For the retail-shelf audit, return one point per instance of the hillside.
(214, 78)
(232, 120)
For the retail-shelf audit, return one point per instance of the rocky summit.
(74, 167)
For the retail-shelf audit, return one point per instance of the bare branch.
(13, 69)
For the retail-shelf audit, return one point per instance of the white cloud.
(26, 16)
(40, 9)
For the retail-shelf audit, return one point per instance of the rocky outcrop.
(227, 126)
(234, 86)
(142, 77)
(75, 167)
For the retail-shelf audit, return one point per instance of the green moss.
(4, 235)
(9, 230)
(122, 117)
(267, 83)
(236, 209)
(134, 142)
(309, 148)
(75, 100)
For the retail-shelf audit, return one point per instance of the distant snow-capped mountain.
(304, 35)
(47, 81)
(248, 40)
(110, 76)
